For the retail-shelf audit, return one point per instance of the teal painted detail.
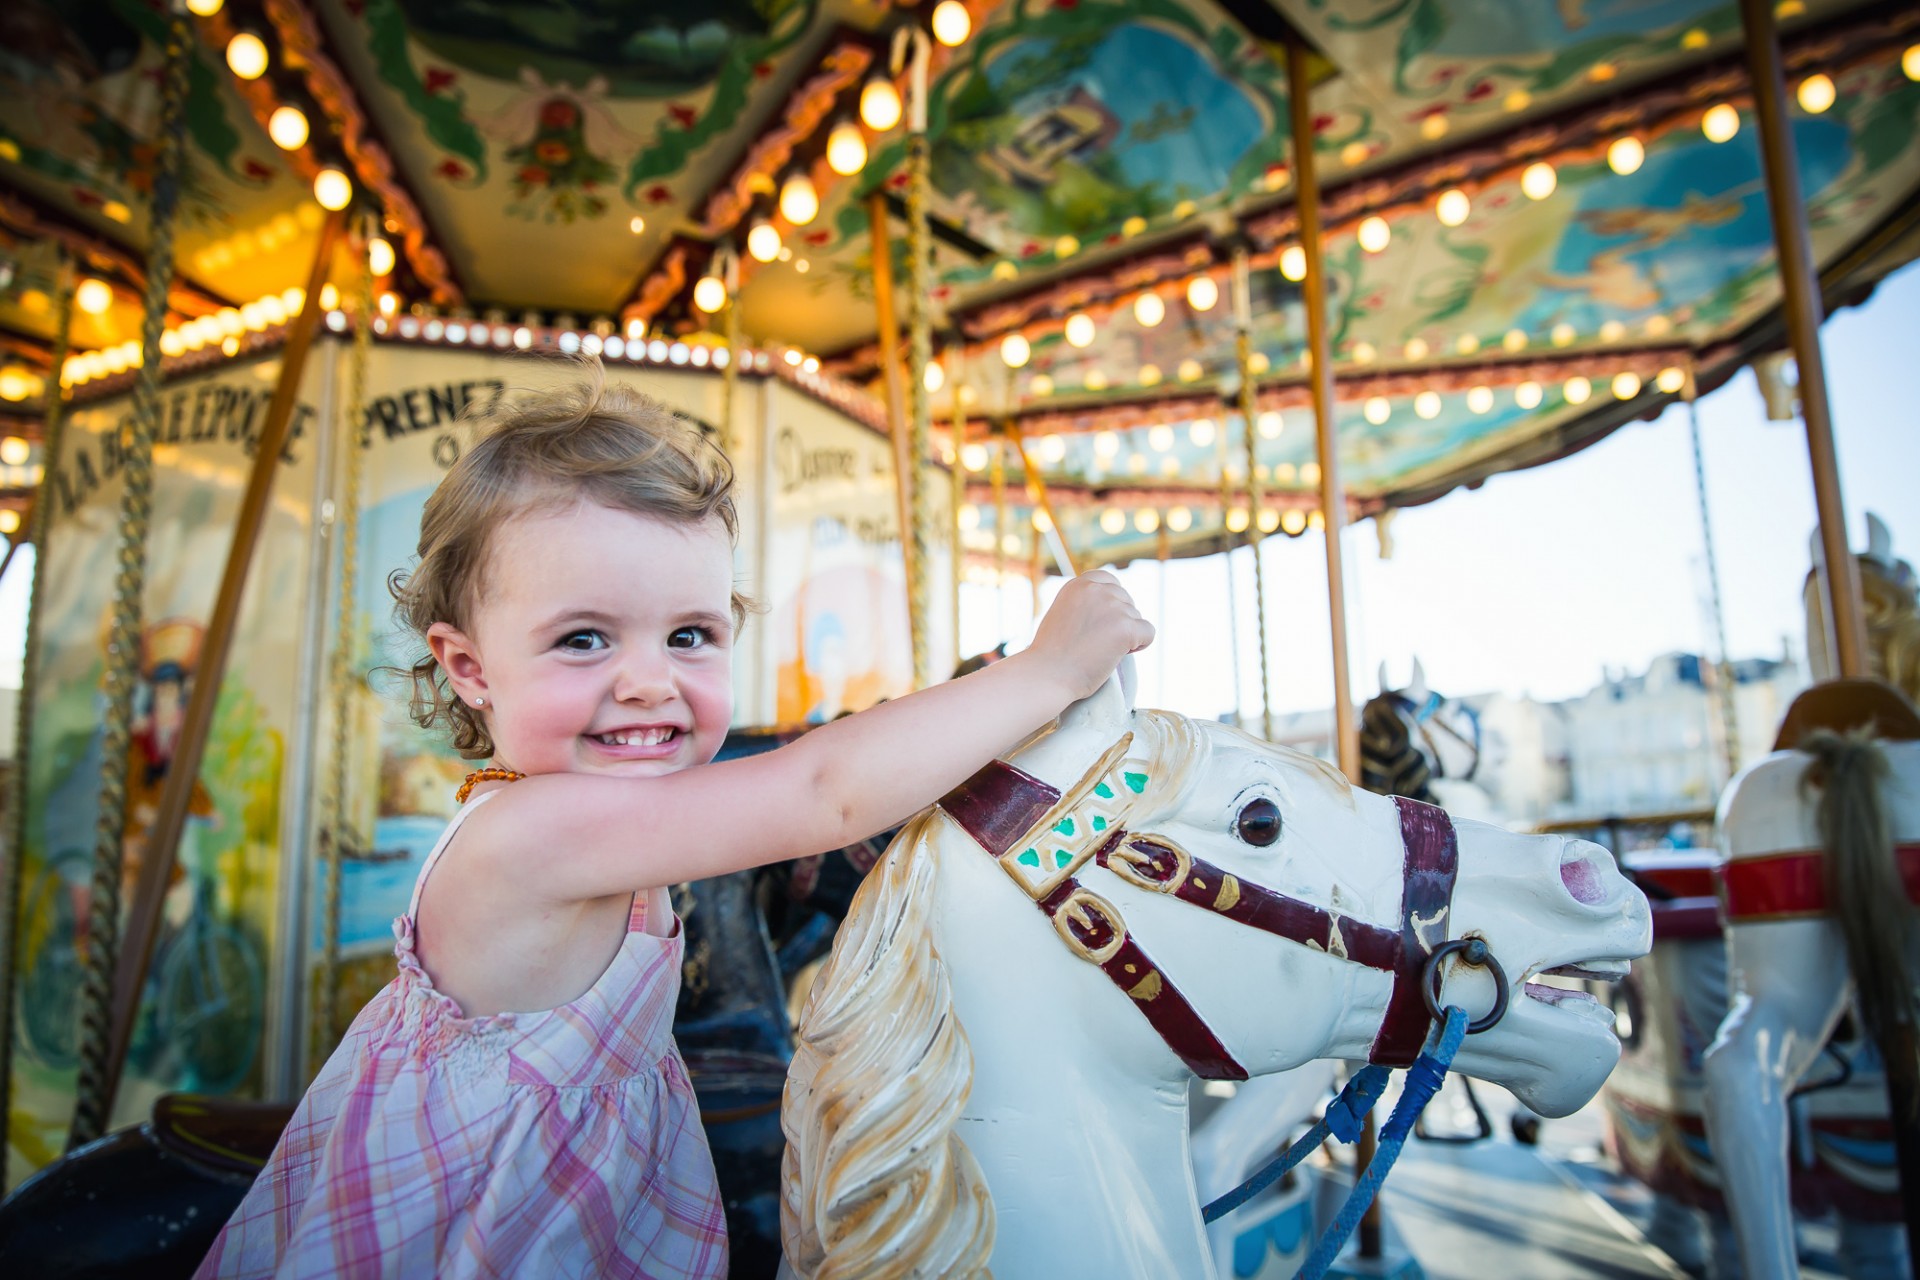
(1099, 823)
(1029, 858)
(1061, 858)
(1064, 826)
(1136, 782)
(1102, 790)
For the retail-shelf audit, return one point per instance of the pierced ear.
(458, 657)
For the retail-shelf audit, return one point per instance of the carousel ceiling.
(1539, 217)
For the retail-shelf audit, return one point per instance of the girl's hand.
(1091, 625)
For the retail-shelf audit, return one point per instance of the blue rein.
(1343, 1121)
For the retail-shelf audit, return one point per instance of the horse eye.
(1259, 822)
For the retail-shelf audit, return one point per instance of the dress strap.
(446, 838)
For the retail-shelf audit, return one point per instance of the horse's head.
(1273, 914)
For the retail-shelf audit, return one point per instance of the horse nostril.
(1581, 870)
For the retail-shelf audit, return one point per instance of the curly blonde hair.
(585, 442)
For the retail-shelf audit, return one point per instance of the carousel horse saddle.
(223, 1136)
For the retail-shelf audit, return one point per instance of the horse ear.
(1816, 554)
(1417, 687)
(1384, 686)
(1108, 708)
(1879, 540)
(1062, 754)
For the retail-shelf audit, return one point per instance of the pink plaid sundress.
(557, 1144)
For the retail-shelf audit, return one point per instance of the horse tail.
(874, 1180)
(1863, 883)
(1390, 765)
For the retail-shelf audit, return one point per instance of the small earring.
(479, 702)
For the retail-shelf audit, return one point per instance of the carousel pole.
(730, 376)
(336, 824)
(957, 475)
(997, 477)
(919, 352)
(162, 841)
(1226, 559)
(1243, 350)
(882, 255)
(1729, 716)
(1043, 505)
(1333, 500)
(94, 1099)
(1800, 300)
(39, 521)
(1306, 187)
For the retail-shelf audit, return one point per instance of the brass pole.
(920, 407)
(163, 838)
(997, 477)
(1221, 454)
(1800, 300)
(1037, 491)
(882, 253)
(1333, 499)
(1243, 349)
(957, 474)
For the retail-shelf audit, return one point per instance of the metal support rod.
(1729, 714)
(39, 521)
(1221, 455)
(730, 380)
(1333, 499)
(1243, 348)
(1800, 300)
(997, 477)
(920, 407)
(163, 837)
(1037, 491)
(882, 256)
(956, 498)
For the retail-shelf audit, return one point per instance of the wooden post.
(1801, 302)
(1333, 499)
(903, 469)
(163, 837)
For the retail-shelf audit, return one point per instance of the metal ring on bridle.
(1475, 952)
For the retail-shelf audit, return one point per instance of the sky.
(1540, 581)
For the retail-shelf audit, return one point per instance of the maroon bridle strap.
(1001, 804)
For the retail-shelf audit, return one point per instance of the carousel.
(971, 293)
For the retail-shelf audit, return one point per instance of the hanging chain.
(1221, 454)
(39, 520)
(730, 380)
(123, 647)
(1243, 351)
(337, 821)
(919, 406)
(1729, 721)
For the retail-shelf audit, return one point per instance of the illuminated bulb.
(333, 189)
(974, 457)
(247, 56)
(1671, 379)
(380, 257)
(1416, 349)
(846, 149)
(204, 8)
(1563, 334)
(1293, 521)
(951, 23)
(115, 358)
(1179, 520)
(1202, 293)
(1659, 326)
(293, 298)
(1354, 153)
(287, 126)
(1612, 331)
(1160, 438)
(1237, 520)
(969, 517)
(1528, 395)
(1042, 385)
(1578, 390)
(1146, 520)
(1626, 155)
(1316, 521)
(710, 294)
(879, 104)
(93, 296)
(1051, 449)
(1910, 62)
(636, 224)
(1149, 310)
(1080, 329)
(13, 386)
(1377, 410)
(1066, 246)
(1515, 340)
(272, 309)
(1269, 520)
(1375, 234)
(171, 344)
(1150, 375)
(389, 303)
(1015, 351)
(1363, 353)
(1480, 399)
(1538, 180)
(1201, 432)
(1191, 370)
(1257, 362)
(799, 202)
(1113, 520)
(763, 241)
(935, 377)
(1816, 94)
(1626, 386)
(9, 521)
(1106, 446)
(15, 451)
(1720, 122)
(230, 346)
(231, 325)
(1468, 344)
(1293, 262)
(1270, 424)
(1427, 404)
(1453, 207)
(329, 298)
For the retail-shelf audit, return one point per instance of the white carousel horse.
(1823, 848)
(1414, 742)
(993, 1066)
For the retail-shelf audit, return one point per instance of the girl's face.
(602, 642)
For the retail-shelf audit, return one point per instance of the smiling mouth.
(636, 737)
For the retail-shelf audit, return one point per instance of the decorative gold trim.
(1229, 894)
(1147, 988)
(1078, 909)
(1043, 880)
(1125, 863)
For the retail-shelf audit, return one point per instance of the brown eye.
(1259, 823)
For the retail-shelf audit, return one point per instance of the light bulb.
(1377, 410)
(15, 451)
(1720, 122)
(1816, 94)
(1293, 262)
(763, 241)
(1015, 351)
(9, 521)
(93, 296)
(935, 377)
(1538, 180)
(952, 24)
(1375, 234)
(1149, 310)
(710, 294)
(1453, 207)
(1626, 155)
(204, 8)
(1626, 386)
(287, 126)
(1910, 62)
(1427, 404)
(846, 149)
(1202, 293)
(799, 202)
(1080, 329)
(14, 386)
(1671, 379)
(380, 256)
(247, 56)
(333, 189)
(1528, 395)
(879, 103)
(1042, 385)
(1480, 399)
(1146, 520)
(1179, 520)
(1577, 390)
(1564, 334)
(1293, 521)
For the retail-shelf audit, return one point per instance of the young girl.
(512, 1102)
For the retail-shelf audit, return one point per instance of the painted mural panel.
(203, 1017)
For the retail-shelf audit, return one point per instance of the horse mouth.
(1591, 970)
(1574, 999)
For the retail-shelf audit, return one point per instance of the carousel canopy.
(1541, 220)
